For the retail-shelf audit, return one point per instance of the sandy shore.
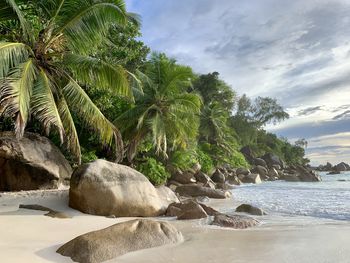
(28, 236)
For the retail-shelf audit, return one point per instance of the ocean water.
(329, 199)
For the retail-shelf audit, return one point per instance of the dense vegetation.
(77, 67)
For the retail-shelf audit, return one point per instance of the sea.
(303, 202)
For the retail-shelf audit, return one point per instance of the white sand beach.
(29, 236)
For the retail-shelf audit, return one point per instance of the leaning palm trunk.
(42, 73)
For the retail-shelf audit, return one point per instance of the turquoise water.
(329, 199)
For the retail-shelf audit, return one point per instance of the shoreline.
(28, 236)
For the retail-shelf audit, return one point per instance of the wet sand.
(29, 236)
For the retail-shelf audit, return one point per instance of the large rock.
(259, 162)
(186, 177)
(218, 177)
(290, 178)
(261, 170)
(341, 167)
(105, 188)
(248, 153)
(197, 190)
(328, 166)
(234, 221)
(233, 179)
(252, 179)
(30, 163)
(205, 180)
(249, 209)
(242, 171)
(307, 175)
(273, 173)
(119, 239)
(272, 159)
(301, 174)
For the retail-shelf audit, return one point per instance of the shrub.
(153, 170)
(184, 159)
(205, 161)
(88, 156)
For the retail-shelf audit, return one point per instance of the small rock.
(192, 210)
(209, 210)
(249, 209)
(234, 221)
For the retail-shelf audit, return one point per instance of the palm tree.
(47, 59)
(165, 111)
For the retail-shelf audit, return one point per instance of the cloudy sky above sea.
(296, 51)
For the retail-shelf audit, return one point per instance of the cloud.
(309, 111)
(344, 115)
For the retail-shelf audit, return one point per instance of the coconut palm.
(165, 112)
(46, 58)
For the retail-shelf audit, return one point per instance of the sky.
(295, 51)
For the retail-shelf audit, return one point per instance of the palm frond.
(16, 91)
(26, 27)
(97, 73)
(71, 135)
(87, 110)
(11, 54)
(43, 105)
(158, 133)
(84, 23)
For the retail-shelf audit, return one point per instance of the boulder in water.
(234, 221)
(249, 209)
(197, 190)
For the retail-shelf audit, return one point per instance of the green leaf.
(11, 54)
(84, 23)
(16, 91)
(72, 139)
(93, 117)
(26, 27)
(43, 104)
(94, 72)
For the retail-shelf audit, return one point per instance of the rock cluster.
(270, 168)
(336, 169)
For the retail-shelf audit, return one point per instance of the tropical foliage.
(47, 58)
(153, 170)
(164, 112)
(77, 67)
